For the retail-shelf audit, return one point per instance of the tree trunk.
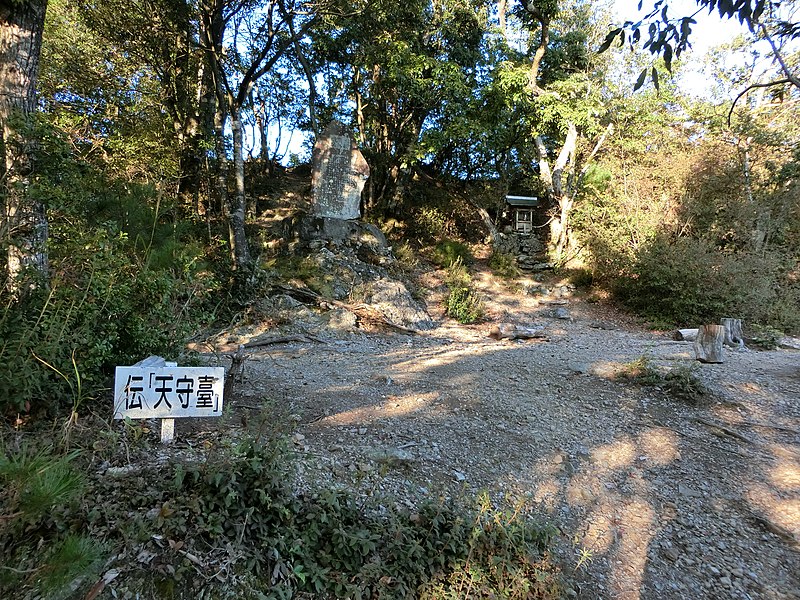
(501, 18)
(554, 180)
(24, 221)
(239, 246)
(734, 337)
(708, 345)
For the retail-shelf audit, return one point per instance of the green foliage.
(447, 252)
(504, 265)
(463, 302)
(431, 223)
(687, 281)
(70, 560)
(681, 382)
(503, 559)
(763, 336)
(328, 543)
(36, 484)
(34, 481)
(126, 281)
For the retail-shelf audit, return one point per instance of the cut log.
(733, 333)
(685, 335)
(789, 343)
(507, 331)
(708, 345)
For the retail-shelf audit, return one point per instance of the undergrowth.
(233, 526)
(463, 303)
(504, 265)
(681, 382)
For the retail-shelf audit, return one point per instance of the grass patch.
(504, 265)
(681, 382)
(764, 337)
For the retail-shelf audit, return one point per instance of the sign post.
(156, 389)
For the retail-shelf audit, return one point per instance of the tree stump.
(733, 333)
(708, 345)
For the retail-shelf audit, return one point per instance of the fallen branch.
(362, 311)
(697, 437)
(768, 426)
(507, 331)
(725, 430)
(283, 339)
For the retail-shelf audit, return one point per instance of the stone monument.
(339, 174)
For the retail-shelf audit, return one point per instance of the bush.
(36, 483)
(504, 265)
(447, 252)
(463, 302)
(328, 543)
(126, 281)
(688, 281)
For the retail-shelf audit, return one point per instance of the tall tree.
(243, 41)
(567, 110)
(24, 220)
(391, 68)
(168, 54)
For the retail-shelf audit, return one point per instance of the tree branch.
(793, 79)
(751, 87)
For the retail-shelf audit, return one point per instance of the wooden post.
(733, 333)
(167, 431)
(708, 345)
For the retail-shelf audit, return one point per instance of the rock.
(561, 313)
(392, 457)
(672, 554)
(341, 319)
(285, 302)
(394, 301)
(543, 266)
(686, 491)
(315, 231)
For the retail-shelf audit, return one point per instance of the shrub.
(125, 282)
(463, 302)
(688, 281)
(681, 382)
(504, 265)
(448, 251)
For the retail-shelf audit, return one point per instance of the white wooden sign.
(168, 392)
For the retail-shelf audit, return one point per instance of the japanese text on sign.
(168, 392)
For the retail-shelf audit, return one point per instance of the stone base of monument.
(352, 258)
(309, 228)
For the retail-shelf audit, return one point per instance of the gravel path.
(655, 497)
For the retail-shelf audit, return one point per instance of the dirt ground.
(655, 497)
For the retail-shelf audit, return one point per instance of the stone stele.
(339, 174)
